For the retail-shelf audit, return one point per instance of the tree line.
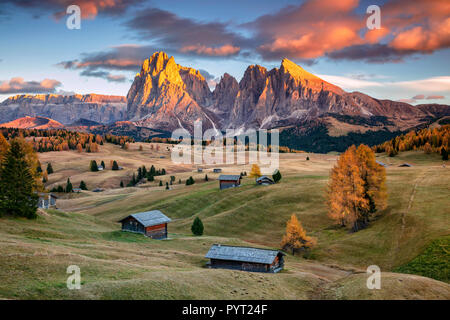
(429, 140)
(64, 140)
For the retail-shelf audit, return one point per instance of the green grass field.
(116, 265)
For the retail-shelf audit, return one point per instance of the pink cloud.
(225, 50)
(19, 85)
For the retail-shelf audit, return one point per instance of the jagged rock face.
(166, 96)
(281, 96)
(65, 109)
(224, 96)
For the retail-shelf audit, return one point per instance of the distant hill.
(33, 123)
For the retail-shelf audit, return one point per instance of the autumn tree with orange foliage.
(357, 188)
(4, 147)
(295, 239)
(255, 172)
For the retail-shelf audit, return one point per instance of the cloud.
(435, 97)
(434, 84)
(318, 28)
(419, 97)
(126, 57)
(212, 80)
(407, 100)
(19, 85)
(186, 35)
(225, 50)
(89, 8)
(349, 83)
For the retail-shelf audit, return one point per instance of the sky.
(405, 59)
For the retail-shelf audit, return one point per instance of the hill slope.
(33, 123)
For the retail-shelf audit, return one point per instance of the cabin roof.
(262, 178)
(244, 254)
(381, 163)
(228, 177)
(149, 218)
(405, 165)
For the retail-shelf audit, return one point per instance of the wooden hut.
(229, 181)
(405, 165)
(245, 258)
(47, 200)
(264, 180)
(152, 224)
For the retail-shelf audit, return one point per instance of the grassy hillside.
(85, 232)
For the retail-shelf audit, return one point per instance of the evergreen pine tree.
(206, 177)
(83, 185)
(276, 176)
(160, 183)
(49, 168)
(121, 184)
(69, 186)
(17, 196)
(444, 154)
(93, 166)
(197, 227)
(39, 168)
(115, 166)
(167, 186)
(103, 165)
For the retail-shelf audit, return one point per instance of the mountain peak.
(303, 76)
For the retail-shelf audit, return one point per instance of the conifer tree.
(276, 176)
(255, 172)
(121, 184)
(93, 166)
(44, 177)
(206, 177)
(295, 238)
(167, 186)
(197, 227)
(4, 147)
(17, 196)
(83, 185)
(103, 165)
(115, 166)
(69, 186)
(49, 168)
(39, 167)
(444, 154)
(160, 183)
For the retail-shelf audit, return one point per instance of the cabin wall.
(132, 225)
(157, 232)
(239, 265)
(225, 184)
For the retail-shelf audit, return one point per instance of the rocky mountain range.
(65, 109)
(165, 96)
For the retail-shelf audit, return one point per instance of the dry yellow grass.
(34, 255)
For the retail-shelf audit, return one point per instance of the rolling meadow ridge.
(84, 231)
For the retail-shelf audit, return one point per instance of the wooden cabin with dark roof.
(245, 258)
(152, 224)
(229, 181)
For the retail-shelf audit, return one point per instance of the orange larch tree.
(295, 238)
